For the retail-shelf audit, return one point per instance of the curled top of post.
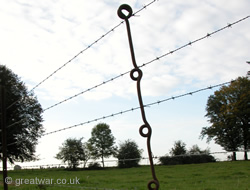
(127, 8)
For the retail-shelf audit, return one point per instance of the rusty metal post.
(136, 75)
(3, 127)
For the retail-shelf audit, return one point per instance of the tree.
(178, 149)
(23, 118)
(72, 151)
(195, 149)
(228, 111)
(86, 147)
(129, 154)
(102, 142)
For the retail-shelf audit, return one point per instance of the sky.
(39, 37)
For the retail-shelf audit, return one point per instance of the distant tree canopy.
(101, 143)
(195, 149)
(128, 154)
(23, 118)
(179, 148)
(72, 151)
(228, 111)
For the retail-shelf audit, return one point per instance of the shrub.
(17, 167)
(94, 166)
(187, 159)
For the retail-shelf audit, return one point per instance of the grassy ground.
(211, 176)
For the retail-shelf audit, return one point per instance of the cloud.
(46, 35)
(53, 34)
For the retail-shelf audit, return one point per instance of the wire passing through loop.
(133, 73)
(127, 8)
(149, 131)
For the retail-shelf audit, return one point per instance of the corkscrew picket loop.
(136, 75)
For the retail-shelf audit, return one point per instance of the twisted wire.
(89, 46)
(78, 54)
(149, 62)
(136, 108)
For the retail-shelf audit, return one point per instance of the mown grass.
(211, 176)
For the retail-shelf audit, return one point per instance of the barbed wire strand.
(89, 46)
(149, 62)
(144, 7)
(89, 89)
(82, 51)
(132, 109)
(197, 40)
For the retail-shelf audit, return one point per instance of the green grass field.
(211, 176)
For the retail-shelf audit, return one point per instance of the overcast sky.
(38, 37)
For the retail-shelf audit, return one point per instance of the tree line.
(100, 145)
